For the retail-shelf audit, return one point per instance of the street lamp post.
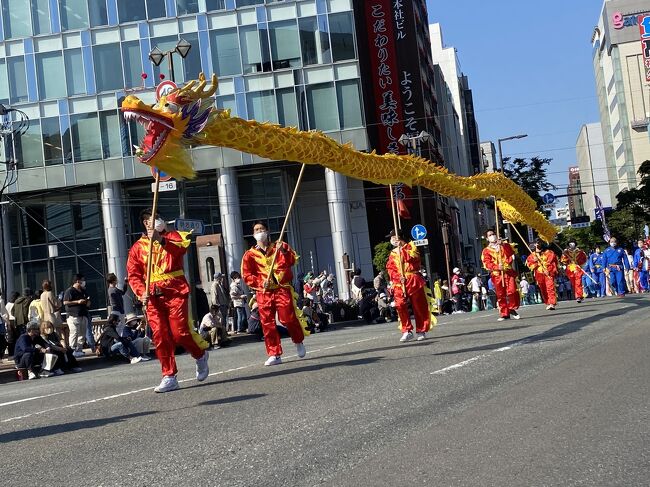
(156, 55)
(496, 209)
(414, 146)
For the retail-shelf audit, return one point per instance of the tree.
(382, 251)
(530, 175)
(638, 199)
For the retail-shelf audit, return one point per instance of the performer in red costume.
(498, 258)
(403, 267)
(274, 293)
(543, 263)
(167, 303)
(574, 259)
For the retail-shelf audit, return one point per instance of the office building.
(592, 164)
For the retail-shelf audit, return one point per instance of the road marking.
(31, 398)
(484, 355)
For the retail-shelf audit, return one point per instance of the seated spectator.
(209, 327)
(368, 309)
(66, 361)
(112, 344)
(30, 350)
(254, 324)
(313, 321)
(134, 330)
(384, 308)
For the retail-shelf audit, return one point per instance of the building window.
(49, 73)
(28, 147)
(17, 79)
(108, 68)
(184, 7)
(323, 114)
(285, 44)
(131, 10)
(4, 83)
(192, 62)
(260, 198)
(251, 52)
(287, 108)
(314, 42)
(75, 81)
(342, 33)
(156, 9)
(184, 69)
(349, 100)
(247, 3)
(74, 14)
(227, 102)
(225, 52)
(41, 16)
(109, 126)
(15, 18)
(215, 5)
(85, 137)
(261, 106)
(52, 148)
(97, 12)
(132, 64)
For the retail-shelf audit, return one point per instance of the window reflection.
(97, 12)
(349, 102)
(85, 137)
(28, 148)
(132, 64)
(74, 14)
(75, 80)
(109, 126)
(215, 5)
(15, 19)
(314, 42)
(40, 16)
(225, 52)
(49, 70)
(52, 148)
(4, 83)
(285, 44)
(131, 10)
(184, 7)
(17, 79)
(323, 113)
(156, 9)
(261, 106)
(108, 73)
(342, 33)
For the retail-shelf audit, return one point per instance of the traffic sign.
(163, 176)
(581, 225)
(548, 198)
(164, 186)
(421, 243)
(418, 232)
(194, 226)
(165, 88)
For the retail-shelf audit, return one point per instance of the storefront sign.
(644, 28)
(620, 21)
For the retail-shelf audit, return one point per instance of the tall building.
(75, 204)
(461, 147)
(592, 164)
(576, 204)
(621, 59)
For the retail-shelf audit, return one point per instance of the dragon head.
(171, 125)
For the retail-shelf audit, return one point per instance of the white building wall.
(590, 155)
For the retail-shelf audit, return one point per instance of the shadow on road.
(487, 330)
(228, 400)
(559, 330)
(54, 429)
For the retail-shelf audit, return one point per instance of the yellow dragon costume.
(186, 116)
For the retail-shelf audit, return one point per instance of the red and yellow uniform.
(498, 259)
(167, 307)
(278, 297)
(544, 266)
(574, 259)
(414, 285)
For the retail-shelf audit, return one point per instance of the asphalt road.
(556, 398)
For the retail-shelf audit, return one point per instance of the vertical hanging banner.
(644, 27)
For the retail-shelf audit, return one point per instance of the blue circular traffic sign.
(548, 198)
(418, 232)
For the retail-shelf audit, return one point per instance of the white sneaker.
(273, 360)
(514, 315)
(145, 358)
(501, 318)
(202, 367)
(300, 348)
(135, 360)
(168, 383)
(58, 372)
(407, 336)
(421, 336)
(31, 375)
(78, 353)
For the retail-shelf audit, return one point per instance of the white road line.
(149, 389)
(482, 356)
(32, 398)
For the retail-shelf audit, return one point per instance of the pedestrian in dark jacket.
(21, 310)
(29, 350)
(111, 343)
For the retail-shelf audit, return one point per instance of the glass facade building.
(68, 64)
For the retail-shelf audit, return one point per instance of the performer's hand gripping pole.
(286, 221)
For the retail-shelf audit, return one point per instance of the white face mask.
(261, 237)
(159, 225)
(82, 283)
(612, 244)
(394, 241)
(492, 238)
(572, 245)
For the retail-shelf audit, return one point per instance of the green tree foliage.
(586, 238)
(626, 224)
(638, 199)
(529, 174)
(382, 251)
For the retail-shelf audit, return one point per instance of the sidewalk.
(91, 361)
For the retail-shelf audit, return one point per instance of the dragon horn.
(195, 91)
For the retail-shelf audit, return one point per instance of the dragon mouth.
(156, 131)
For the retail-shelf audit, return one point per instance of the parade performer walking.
(642, 264)
(274, 292)
(574, 259)
(403, 267)
(597, 270)
(616, 264)
(167, 303)
(498, 258)
(543, 263)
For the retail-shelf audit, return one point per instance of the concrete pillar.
(114, 230)
(7, 261)
(231, 224)
(340, 225)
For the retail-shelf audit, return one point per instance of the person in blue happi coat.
(642, 264)
(616, 264)
(597, 270)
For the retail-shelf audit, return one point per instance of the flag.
(600, 215)
(646, 231)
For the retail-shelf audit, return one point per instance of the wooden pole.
(286, 220)
(154, 210)
(396, 229)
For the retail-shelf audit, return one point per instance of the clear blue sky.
(530, 69)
